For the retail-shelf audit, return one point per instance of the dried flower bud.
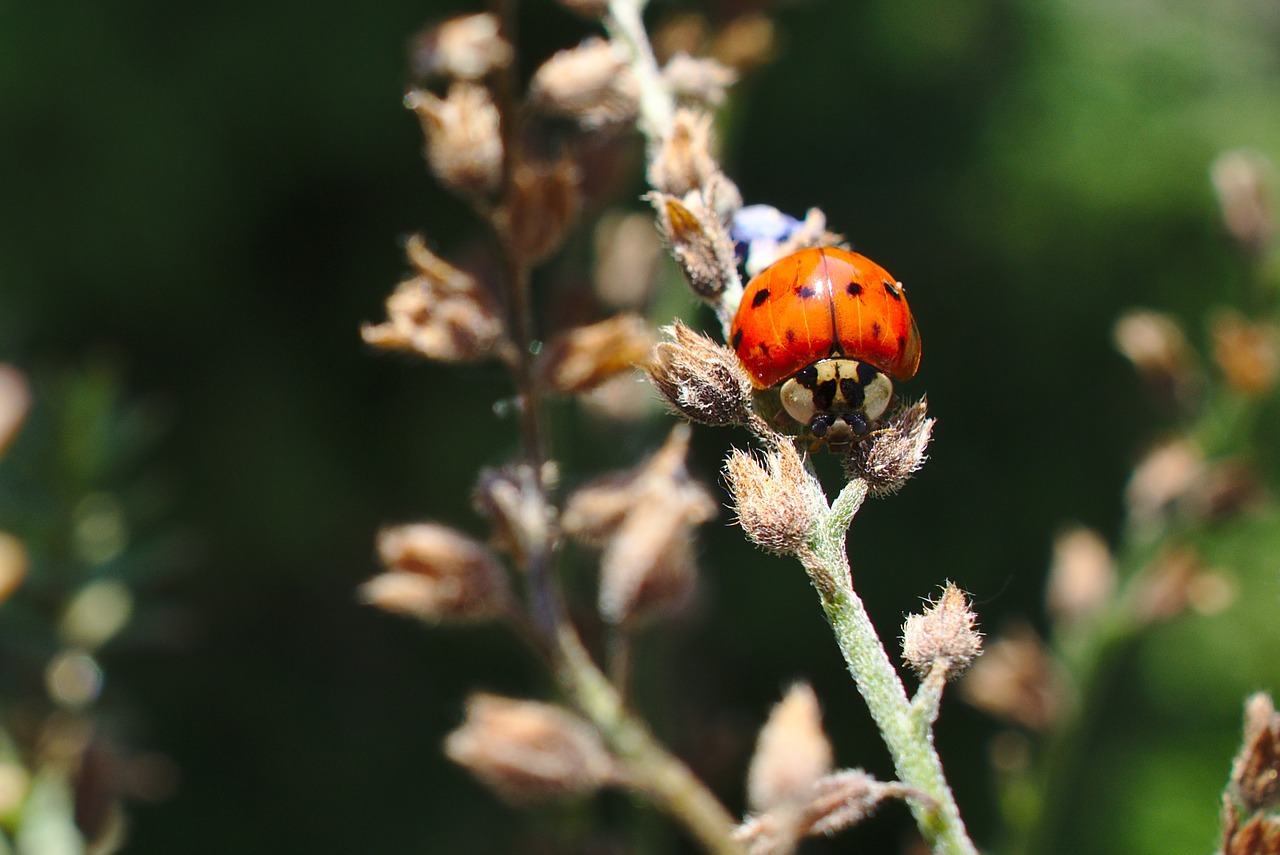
(1082, 577)
(684, 162)
(1163, 588)
(1016, 680)
(591, 83)
(464, 140)
(792, 752)
(15, 401)
(592, 9)
(699, 81)
(585, 357)
(704, 381)
(943, 636)
(14, 564)
(645, 520)
(777, 501)
(1250, 826)
(833, 803)
(894, 452)
(527, 751)
(1247, 353)
(745, 43)
(466, 48)
(1245, 183)
(441, 313)
(1163, 477)
(1154, 343)
(436, 573)
(627, 250)
(540, 209)
(514, 501)
(700, 243)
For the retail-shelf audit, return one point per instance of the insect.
(834, 329)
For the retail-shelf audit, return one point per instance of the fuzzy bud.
(1249, 805)
(441, 313)
(700, 243)
(645, 520)
(435, 573)
(464, 141)
(792, 752)
(15, 401)
(1247, 353)
(702, 380)
(465, 48)
(1163, 589)
(1245, 184)
(700, 80)
(591, 9)
(541, 207)
(894, 452)
(833, 803)
(1017, 680)
(1162, 478)
(585, 357)
(684, 162)
(627, 250)
(778, 502)
(1082, 577)
(527, 751)
(943, 636)
(1156, 346)
(514, 501)
(746, 42)
(591, 83)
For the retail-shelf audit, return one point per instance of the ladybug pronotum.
(834, 329)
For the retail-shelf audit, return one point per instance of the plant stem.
(650, 768)
(625, 24)
(909, 741)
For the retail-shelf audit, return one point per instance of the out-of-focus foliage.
(209, 193)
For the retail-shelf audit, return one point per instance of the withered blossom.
(893, 452)
(745, 43)
(1249, 822)
(436, 573)
(463, 137)
(697, 80)
(644, 519)
(1164, 586)
(1247, 353)
(583, 358)
(777, 501)
(792, 752)
(15, 401)
(541, 206)
(700, 243)
(684, 162)
(1165, 475)
(592, 84)
(467, 48)
(943, 636)
(515, 503)
(441, 313)
(527, 751)
(592, 9)
(1245, 183)
(1082, 575)
(1155, 344)
(1017, 680)
(702, 380)
(627, 251)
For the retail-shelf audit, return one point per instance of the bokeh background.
(202, 202)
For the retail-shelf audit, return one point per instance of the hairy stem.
(625, 24)
(909, 740)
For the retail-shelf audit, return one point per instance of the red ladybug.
(832, 327)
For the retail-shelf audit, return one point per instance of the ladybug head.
(837, 399)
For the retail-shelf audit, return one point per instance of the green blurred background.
(206, 200)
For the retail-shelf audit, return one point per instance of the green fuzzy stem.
(910, 741)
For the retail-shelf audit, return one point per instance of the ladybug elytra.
(832, 327)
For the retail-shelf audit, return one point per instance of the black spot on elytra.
(902, 342)
(791, 336)
(866, 373)
(876, 330)
(804, 292)
(853, 289)
(758, 300)
(892, 290)
(764, 348)
(736, 341)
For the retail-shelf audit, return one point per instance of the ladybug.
(832, 327)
